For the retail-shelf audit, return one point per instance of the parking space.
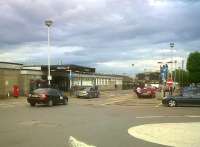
(107, 98)
(120, 97)
(89, 120)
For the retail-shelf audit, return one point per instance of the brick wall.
(8, 78)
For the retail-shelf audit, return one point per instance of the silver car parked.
(88, 92)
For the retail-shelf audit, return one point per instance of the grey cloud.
(108, 30)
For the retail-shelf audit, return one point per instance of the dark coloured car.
(189, 96)
(48, 96)
(88, 92)
(146, 92)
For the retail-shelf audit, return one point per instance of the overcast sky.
(110, 35)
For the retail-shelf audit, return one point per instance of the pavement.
(102, 122)
(174, 134)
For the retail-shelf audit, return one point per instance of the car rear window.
(87, 88)
(53, 92)
(40, 91)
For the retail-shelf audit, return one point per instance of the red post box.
(15, 91)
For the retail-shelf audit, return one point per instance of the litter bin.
(15, 91)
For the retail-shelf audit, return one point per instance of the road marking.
(150, 116)
(76, 143)
(6, 105)
(37, 123)
(193, 116)
(167, 116)
(115, 101)
(170, 134)
(158, 105)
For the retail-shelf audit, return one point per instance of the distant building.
(69, 76)
(9, 76)
(148, 77)
(64, 77)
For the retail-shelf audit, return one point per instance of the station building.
(64, 77)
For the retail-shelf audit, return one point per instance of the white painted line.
(150, 116)
(170, 134)
(167, 116)
(6, 105)
(76, 143)
(193, 116)
(158, 105)
(112, 102)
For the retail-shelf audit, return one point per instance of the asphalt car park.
(94, 121)
(118, 97)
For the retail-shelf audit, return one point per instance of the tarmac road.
(101, 124)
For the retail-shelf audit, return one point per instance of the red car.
(147, 92)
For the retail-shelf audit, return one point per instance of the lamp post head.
(48, 23)
(171, 44)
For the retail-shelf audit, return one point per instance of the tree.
(193, 66)
(181, 76)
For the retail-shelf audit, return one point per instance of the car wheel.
(50, 103)
(172, 103)
(32, 104)
(65, 101)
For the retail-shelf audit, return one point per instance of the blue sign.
(164, 72)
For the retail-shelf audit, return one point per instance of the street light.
(48, 23)
(175, 61)
(182, 62)
(171, 45)
(133, 70)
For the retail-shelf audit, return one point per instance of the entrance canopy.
(69, 67)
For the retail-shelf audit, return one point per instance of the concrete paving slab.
(170, 134)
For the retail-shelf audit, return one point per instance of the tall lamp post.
(48, 23)
(160, 63)
(132, 65)
(171, 45)
(175, 62)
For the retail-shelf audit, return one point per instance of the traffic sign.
(170, 82)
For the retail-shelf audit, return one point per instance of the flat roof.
(11, 63)
(72, 67)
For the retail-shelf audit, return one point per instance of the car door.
(55, 95)
(60, 95)
(92, 91)
(186, 98)
(196, 96)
